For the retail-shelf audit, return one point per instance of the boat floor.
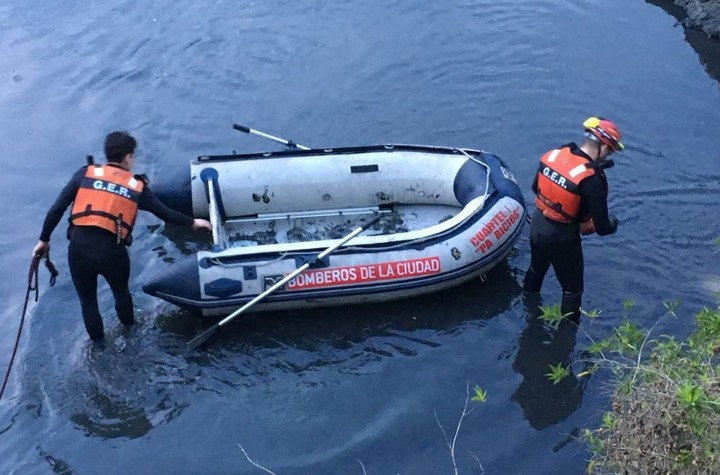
(303, 227)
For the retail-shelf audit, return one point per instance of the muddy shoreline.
(701, 24)
(702, 14)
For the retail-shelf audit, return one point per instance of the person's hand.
(201, 224)
(587, 227)
(42, 248)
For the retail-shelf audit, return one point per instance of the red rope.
(32, 285)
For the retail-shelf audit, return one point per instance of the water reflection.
(122, 389)
(57, 465)
(128, 387)
(111, 418)
(336, 341)
(708, 49)
(341, 327)
(143, 378)
(544, 403)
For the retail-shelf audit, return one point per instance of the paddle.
(287, 143)
(204, 336)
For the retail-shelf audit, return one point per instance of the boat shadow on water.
(377, 328)
(143, 378)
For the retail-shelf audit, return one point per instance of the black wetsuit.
(559, 244)
(94, 251)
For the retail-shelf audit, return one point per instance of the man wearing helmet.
(571, 189)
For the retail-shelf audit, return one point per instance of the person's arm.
(594, 199)
(149, 202)
(55, 214)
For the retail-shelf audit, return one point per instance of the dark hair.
(117, 145)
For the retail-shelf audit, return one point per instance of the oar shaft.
(288, 143)
(295, 273)
(203, 337)
(272, 289)
(277, 139)
(214, 214)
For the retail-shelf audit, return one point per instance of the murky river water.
(318, 391)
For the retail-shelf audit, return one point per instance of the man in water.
(105, 201)
(571, 189)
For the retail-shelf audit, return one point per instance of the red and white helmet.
(605, 131)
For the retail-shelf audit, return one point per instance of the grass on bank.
(665, 409)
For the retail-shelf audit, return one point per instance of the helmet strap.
(596, 141)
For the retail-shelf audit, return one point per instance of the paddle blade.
(196, 342)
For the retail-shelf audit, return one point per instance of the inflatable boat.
(440, 216)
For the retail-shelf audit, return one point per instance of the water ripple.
(315, 391)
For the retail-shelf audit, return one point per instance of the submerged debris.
(321, 228)
(260, 237)
(391, 224)
(298, 234)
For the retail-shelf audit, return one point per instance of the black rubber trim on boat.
(337, 150)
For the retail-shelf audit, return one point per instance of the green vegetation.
(480, 394)
(665, 410)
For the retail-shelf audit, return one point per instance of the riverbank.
(702, 14)
(701, 24)
(664, 416)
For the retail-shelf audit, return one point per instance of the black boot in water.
(571, 305)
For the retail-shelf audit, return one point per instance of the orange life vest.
(108, 199)
(559, 177)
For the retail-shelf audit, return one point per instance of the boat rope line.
(32, 285)
(480, 162)
(528, 218)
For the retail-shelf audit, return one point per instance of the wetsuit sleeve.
(594, 200)
(149, 202)
(64, 199)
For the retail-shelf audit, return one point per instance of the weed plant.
(665, 405)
